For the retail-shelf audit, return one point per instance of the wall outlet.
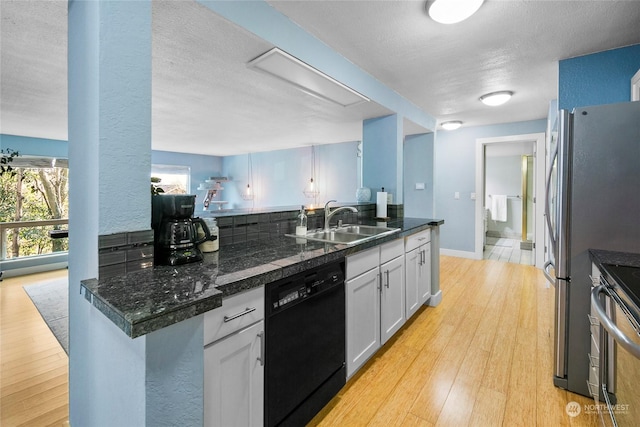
(456, 195)
(473, 196)
(419, 185)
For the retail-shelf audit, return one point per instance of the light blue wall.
(280, 176)
(599, 78)
(382, 155)
(455, 171)
(418, 168)
(34, 146)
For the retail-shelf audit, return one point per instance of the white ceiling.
(206, 101)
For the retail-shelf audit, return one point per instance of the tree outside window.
(36, 189)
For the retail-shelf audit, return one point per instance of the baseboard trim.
(435, 299)
(459, 254)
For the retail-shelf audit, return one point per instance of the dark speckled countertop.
(151, 299)
(601, 257)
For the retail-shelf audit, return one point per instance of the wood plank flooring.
(483, 357)
(33, 366)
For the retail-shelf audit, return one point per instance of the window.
(33, 203)
(173, 179)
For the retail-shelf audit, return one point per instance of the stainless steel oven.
(616, 303)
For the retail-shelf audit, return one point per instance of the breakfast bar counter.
(151, 299)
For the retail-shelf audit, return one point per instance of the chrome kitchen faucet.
(328, 214)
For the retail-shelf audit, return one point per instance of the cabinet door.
(392, 312)
(424, 273)
(413, 270)
(234, 379)
(363, 319)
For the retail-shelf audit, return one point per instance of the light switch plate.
(473, 196)
(456, 195)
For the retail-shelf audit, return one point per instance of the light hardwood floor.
(483, 357)
(34, 367)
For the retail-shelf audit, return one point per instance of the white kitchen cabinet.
(418, 271)
(363, 318)
(392, 299)
(234, 362)
(375, 300)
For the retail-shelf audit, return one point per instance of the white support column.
(109, 76)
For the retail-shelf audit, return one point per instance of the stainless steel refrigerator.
(593, 202)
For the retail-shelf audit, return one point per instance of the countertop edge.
(600, 257)
(277, 269)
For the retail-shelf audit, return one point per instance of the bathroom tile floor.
(507, 250)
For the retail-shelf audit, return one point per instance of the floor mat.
(51, 298)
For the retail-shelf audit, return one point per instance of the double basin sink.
(350, 234)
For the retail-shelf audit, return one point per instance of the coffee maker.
(175, 236)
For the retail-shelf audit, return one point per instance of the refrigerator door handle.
(626, 342)
(563, 225)
(545, 271)
(547, 209)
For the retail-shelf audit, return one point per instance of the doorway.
(509, 182)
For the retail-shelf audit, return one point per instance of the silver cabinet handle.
(242, 313)
(610, 325)
(261, 358)
(387, 273)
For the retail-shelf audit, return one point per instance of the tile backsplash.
(122, 253)
(245, 227)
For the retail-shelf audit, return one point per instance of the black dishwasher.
(305, 344)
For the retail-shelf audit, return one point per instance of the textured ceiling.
(206, 101)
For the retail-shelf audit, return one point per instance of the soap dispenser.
(301, 223)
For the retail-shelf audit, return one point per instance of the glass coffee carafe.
(175, 236)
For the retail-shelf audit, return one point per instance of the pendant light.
(248, 192)
(311, 190)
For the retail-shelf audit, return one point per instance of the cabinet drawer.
(237, 312)
(391, 250)
(362, 262)
(418, 239)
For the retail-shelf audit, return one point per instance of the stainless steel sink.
(367, 230)
(348, 234)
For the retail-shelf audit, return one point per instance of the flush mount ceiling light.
(283, 66)
(496, 98)
(452, 11)
(452, 125)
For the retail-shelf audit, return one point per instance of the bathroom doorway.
(509, 181)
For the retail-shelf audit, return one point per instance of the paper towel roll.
(381, 204)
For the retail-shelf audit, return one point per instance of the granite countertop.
(151, 299)
(600, 257)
